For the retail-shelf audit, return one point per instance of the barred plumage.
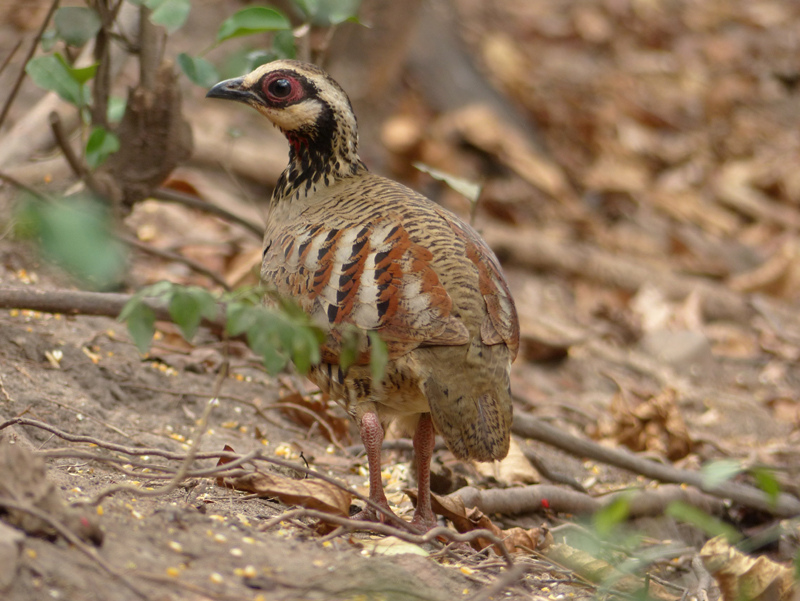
(356, 248)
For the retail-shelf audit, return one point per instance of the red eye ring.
(281, 88)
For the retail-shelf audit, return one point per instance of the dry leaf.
(777, 276)
(311, 494)
(391, 545)
(652, 424)
(740, 576)
(514, 469)
(466, 520)
(785, 410)
(602, 572)
(480, 126)
(617, 174)
(736, 186)
(318, 406)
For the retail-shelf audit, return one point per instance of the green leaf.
(171, 14)
(188, 306)
(333, 12)
(351, 339)
(50, 73)
(79, 74)
(141, 323)
(463, 186)
(238, 317)
(309, 7)
(378, 357)
(254, 19)
(198, 70)
(768, 483)
(77, 234)
(607, 519)
(283, 45)
(76, 25)
(116, 108)
(709, 524)
(162, 290)
(99, 146)
(264, 340)
(715, 473)
(185, 312)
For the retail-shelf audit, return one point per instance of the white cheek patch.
(294, 116)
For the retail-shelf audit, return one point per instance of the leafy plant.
(278, 334)
(265, 19)
(702, 520)
(77, 235)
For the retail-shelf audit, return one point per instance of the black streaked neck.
(319, 155)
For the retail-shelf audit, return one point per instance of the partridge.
(356, 249)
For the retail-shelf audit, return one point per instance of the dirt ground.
(652, 250)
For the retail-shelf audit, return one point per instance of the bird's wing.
(501, 324)
(370, 275)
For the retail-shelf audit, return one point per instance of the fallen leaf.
(466, 520)
(480, 126)
(513, 469)
(311, 494)
(740, 576)
(650, 424)
(319, 407)
(601, 572)
(391, 545)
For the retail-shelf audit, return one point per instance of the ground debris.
(24, 482)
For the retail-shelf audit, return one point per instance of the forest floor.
(652, 252)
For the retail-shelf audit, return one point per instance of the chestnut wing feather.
(372, 276)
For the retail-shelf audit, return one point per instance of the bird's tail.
(474, 426)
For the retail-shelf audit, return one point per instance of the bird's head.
(309, 107)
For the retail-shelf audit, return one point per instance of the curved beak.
(230, 89)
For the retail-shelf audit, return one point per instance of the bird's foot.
(370, 514)
(422, 522)
(419, 524)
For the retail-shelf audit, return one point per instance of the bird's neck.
(319, 157)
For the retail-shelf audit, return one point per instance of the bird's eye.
(280, 88)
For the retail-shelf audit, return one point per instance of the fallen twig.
(506, 579)
(180, 475)
(177, 258)
(390, 531)
(73, 302)
(537, 251)
(527, 426)
(255, 456)
(167, 195)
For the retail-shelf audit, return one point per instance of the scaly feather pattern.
(354, 248)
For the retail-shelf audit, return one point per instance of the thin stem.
(21, 76)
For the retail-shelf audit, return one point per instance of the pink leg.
(424, 439)
(372, 437)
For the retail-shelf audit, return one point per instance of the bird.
(358, 250)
